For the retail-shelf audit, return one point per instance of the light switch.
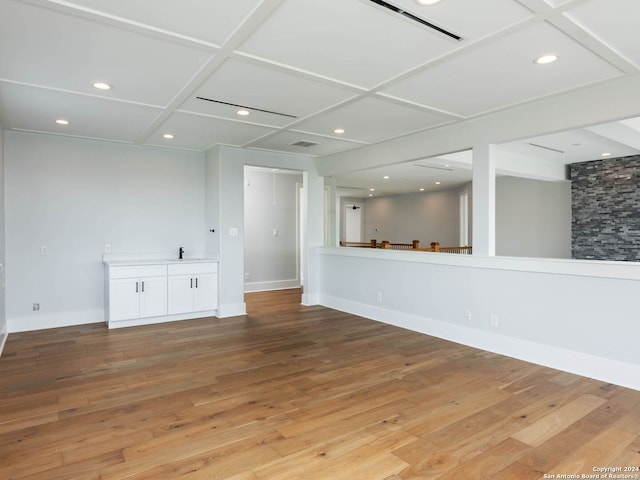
(275, 232)
(233, 232)
(44, 250)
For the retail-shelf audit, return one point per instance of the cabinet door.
(124, 300)
(153, 296)
(181, 293)
(206, 293)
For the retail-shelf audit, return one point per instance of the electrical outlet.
(379, 296)
(494, 320)
(36, 307)
(44, 250)
(467, 315)
(107, 248)
(247, 276)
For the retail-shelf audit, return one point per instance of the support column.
(484, 200)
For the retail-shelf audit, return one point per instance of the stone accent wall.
(605, 205)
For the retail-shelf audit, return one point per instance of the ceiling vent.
(413, 17)
(304, 143)
(246, 107)
(546, 148)
(434, 167)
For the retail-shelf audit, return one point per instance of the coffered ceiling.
(302, 69)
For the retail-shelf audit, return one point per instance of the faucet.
(180, 253)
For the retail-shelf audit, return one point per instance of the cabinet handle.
(136, 287)
(142, 287)
(196, 282)
(192, 283)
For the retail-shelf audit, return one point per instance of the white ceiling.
(305, 68)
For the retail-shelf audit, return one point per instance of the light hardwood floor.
(293, 392)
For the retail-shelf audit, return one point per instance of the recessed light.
(606, 154)
(426, 2)
(447, 165)
(243, 113)
(372, 189)
(386, 177)
(422, 189)
(168, 136)
(544, 59)
(339, 131)
(62, 121)
(102, 86)
(437, 183)
(371, 194)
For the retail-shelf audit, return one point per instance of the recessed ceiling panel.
(373, 119)
(568, 147)
(413, 177)
(207, 20)
(198, 132)
(72, 53)
(352, 41)
(248, 84)
(36, 109)
(503, 73)
(470, 19)
(303, 144)
(619, 32)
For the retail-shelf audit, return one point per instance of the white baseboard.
(586, 365)
(274, 285)
(310, 299)
(232, 310)
(4, 334)
(136, 322)
(41, 320)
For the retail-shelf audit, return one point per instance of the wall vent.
(415, 18)
(304, 143)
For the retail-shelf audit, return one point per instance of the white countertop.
(150, 259)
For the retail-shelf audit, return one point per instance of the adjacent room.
(179, 179)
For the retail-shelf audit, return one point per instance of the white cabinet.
(137, 292)
(192, 287)
(154, 291)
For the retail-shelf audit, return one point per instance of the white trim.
(599, 368)
(310, 300)
(4, 334)
(559, 266)
(273, 285)
(42, 321)
(232, 310)
(162, 319)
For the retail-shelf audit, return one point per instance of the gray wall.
(606, 209)
(74, 196)
(427, 217)
(533, 218)
(271, 260)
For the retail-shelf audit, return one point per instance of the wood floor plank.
(545, 428)
(600, 450)
(289, 392)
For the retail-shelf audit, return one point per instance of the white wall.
(533, 218)
(271, 199)
(74, 196)
(574, 316)
(3, 316)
